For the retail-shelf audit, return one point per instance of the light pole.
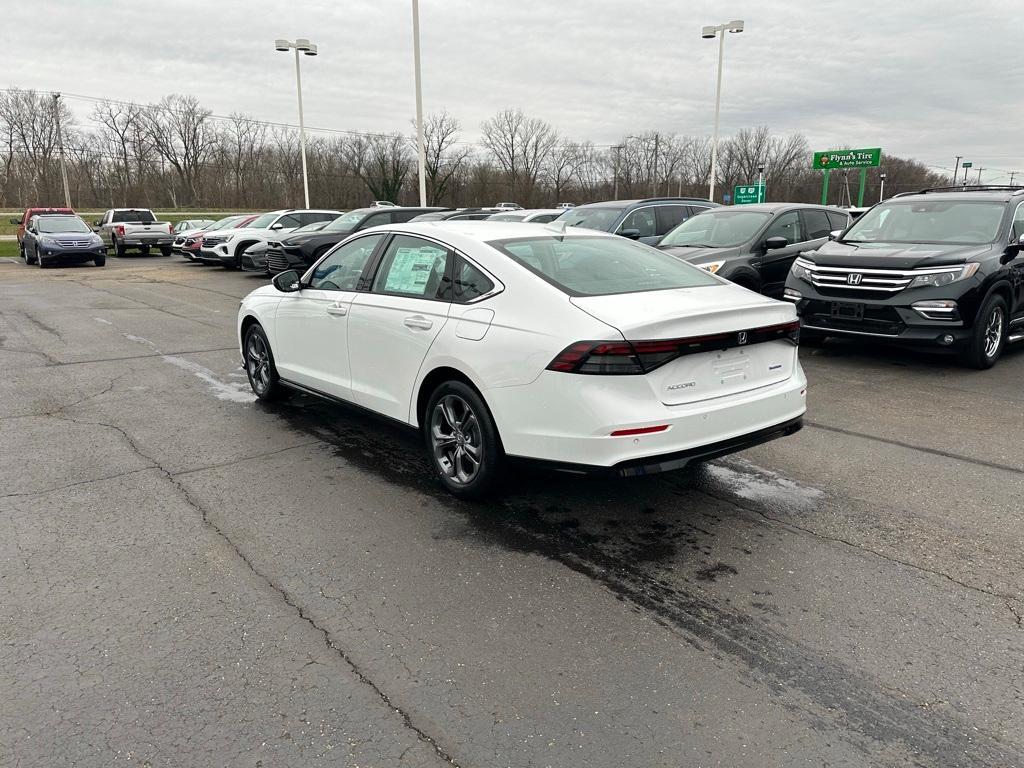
(881, 186)
(760, 184)
(708, 33)
(618, 158)
(420, 145)
(60, 149)
(304, 46)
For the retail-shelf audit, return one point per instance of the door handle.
(418, 321)
(338, 310)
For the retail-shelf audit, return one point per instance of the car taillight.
(120, 230)
(630, 358)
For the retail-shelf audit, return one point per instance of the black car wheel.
(260, 368)
(165, 251)
(99, 261)
(28, 259)
(119, 249)
(462, 441)
(989, 338)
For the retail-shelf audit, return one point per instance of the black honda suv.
(301, 250)
(939, 269)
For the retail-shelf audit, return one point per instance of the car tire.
(260, 368)
(989, 337)
(119, 249)
(100, 261)
(165, 251)
(28, 259)
(144, 250)
(462, 441)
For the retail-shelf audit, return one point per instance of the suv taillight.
(120, 230)
(630, 358)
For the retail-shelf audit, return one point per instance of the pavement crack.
(243, 459)
(859, 547)
(126, 473)
(913, 447)
(283, 593)
(1018, 617)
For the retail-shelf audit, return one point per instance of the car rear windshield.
(133, 217)
(716, 229)
(600, 266)
(348, 221)
(601, 217)
(956, 222)
(54, 224)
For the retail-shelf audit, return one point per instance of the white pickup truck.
(124, 228)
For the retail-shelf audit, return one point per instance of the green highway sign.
(744, 194)
(848, 158)
(967, 165)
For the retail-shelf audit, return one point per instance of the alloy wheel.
(456, 439)
(994, 332)
(257, 363)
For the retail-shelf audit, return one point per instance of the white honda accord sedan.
(586, 351)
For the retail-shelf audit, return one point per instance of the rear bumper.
(571, 426)
(138, 242)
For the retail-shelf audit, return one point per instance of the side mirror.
(277, 225)
(1013, 250)
(835, 234)
(632, 234)
(774, 243)
(287, 282)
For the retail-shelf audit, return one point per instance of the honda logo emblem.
(854, 279)
(742, 338)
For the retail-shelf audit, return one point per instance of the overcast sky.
(928, 79)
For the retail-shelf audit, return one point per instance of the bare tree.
(521, 145)
(183, 136)
(445, 157)
(383, 162)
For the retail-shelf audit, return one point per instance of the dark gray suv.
(754, 245)
(644, 220)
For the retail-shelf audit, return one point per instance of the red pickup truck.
(29, 213)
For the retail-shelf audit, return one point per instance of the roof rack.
(672, 199)
(1016, 189)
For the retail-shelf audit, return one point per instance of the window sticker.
(411, 269)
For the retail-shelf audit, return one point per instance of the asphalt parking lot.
(192, 578)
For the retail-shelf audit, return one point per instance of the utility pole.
(979, 175)
(1012, 174)
(420, 144)
(60, 149)
(956, 168)
(618, 158)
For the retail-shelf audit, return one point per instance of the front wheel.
(99, 261)
(28, 259)
(119, 249)
(165, 251)
(260, 368)
(463, 445)
(989, 337)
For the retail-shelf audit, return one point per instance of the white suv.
(227, 246)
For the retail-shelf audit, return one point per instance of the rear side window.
(837, 220)
(412, 267)
(817, 224)
(786, 225)
(376, 220)
(601, 266)
(468, 283)
(671, 216)
(398, 217)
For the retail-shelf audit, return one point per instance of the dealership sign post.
(847, 158)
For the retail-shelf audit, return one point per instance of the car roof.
(991, 193)
(472, 232)
(772, 207)
(642, 201)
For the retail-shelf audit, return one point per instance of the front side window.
(343, 269)
(787, 225)
(716, 229)
(1018, 223)
(642, 220)
(291, 221)
(261, 222)
(938, 221)
(601, 266)
(412, 267)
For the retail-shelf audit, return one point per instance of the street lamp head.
(882, 175)
(311, 51)
(282, 45)
(709, 32)
(735, 26)
(302, 44)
